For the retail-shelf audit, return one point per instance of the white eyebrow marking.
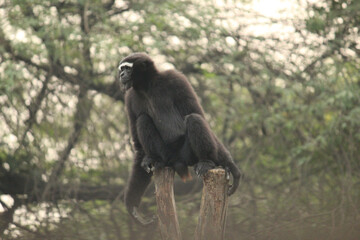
(125, 64)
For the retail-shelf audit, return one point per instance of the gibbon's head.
(136, 70)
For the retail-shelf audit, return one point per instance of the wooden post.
(214, 202)
(166, 209)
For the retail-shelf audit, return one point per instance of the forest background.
(281, 90)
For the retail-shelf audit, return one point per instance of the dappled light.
(279, 82)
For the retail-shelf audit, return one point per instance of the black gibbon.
(168, 128)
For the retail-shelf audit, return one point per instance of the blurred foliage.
(285, 103)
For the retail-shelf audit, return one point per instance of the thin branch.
(81, 116)
(117, 11)
(33, 109)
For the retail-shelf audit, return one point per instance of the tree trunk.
(166, 209)
(214, 202)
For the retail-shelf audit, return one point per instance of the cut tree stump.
(214, 202)
(166, 209)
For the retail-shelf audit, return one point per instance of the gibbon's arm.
(185, 99)
(139, 178)
(132, 121)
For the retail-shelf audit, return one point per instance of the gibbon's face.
(135, 70)
(125, 73)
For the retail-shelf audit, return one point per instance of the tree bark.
(214, 202)
(166, 209)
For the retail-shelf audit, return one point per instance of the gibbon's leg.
(209, 150)
(225, 159)
(156, 153)
(202, 143)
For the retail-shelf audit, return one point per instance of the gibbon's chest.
(155, 103)
(160, 107)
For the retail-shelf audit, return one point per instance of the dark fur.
(168, 127)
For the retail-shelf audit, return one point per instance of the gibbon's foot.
(227, 173)
(144, 221)
(202, 167)
(150, 164)
(147, 164)
(236, 176)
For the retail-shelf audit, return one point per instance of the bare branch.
(81, 116)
